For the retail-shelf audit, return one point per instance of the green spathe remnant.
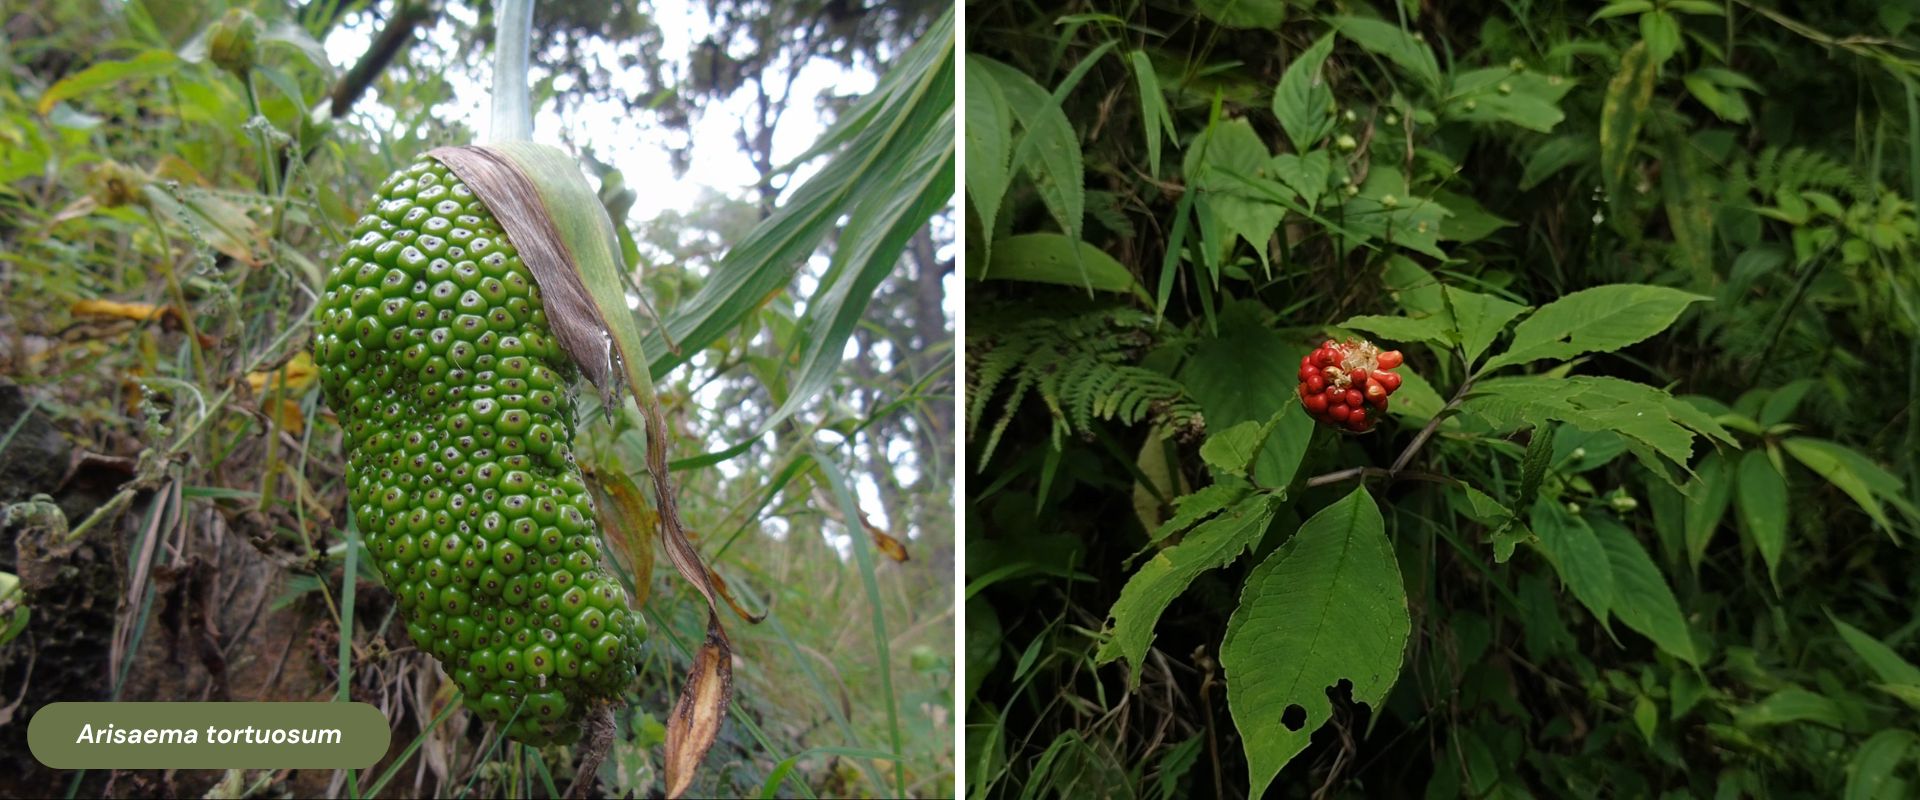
(435, 351)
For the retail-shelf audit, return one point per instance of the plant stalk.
(512, 48)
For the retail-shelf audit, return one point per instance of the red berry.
(1314, 382)
(1357, 420)
(1338, 393)
(1390, 359)
(1376, 392)
(1381, 404)
(1388, 380)
(1354, 398)
(1323, 357)
(1358, 376)
(1339, 413)
(1316, 404)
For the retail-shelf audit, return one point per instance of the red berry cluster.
(1341, 379)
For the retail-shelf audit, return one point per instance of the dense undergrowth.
(1640, 522)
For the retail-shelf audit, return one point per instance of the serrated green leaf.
(1303, 101)
(1479, 318)
(1597, 320)
(1636, 411)
(1763, 509)
(1213, 544)
(1328, 606)
(1435, 330)
(1641, 596)
(989, 132)
(1046, 147)
(1189, 510)
(1232, 451)
(1530, 100)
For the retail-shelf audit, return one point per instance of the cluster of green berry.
(435, 353)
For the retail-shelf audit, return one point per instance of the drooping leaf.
(1389, 41)
(1641, 597)
(1328, 606)
(1636, 411)
(1867, 483)
(1597, 320)
(1707, 498)
(1226, 166)
(1576, 554)
(1763, 509)
(1885, 663)
(1153, 108)
(1213, 544)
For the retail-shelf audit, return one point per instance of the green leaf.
(1049, 258)
(1303, 101)
(1708, 495)
(1190, 509)
(1575, 552)
(1468, 221)
(1662, 34)
(1646, 717)
(1246, 374)
(1215, 543)
(1529, 100)
(1047, 147)
(1417, 401)
(1763, 509)
(1328, 606)
(1533, 466)
(1636, 411)
(1884, 662)
(1621, 8)
(1597, 320)
(1153, 108)
(1727, 105)
(1554, 155)
(150, 64)
(1305, 174)
(1229, 157)
(1232, 451)
(1261, 14)
(887, 143)
(1386, 209)
(1792, 704)
(1641, 597)
(1849, 471)
(1390, 42)
(1621, 114)
(989, 133)
(1871, 774)
(1479, 318)
(1434, 330)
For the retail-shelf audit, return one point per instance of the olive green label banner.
(208, 735)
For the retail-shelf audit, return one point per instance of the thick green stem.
(512, 47)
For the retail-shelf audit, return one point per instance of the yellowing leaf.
(297, 374)
(286, 414)
(114, 309)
